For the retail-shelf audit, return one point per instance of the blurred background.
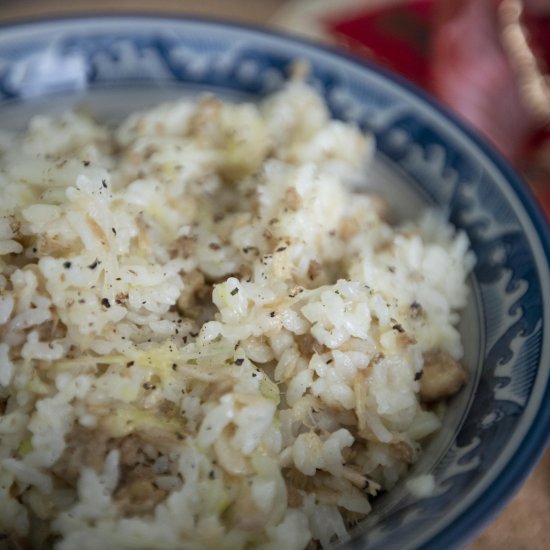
(487, 60)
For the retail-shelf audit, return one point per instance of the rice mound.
(208, 338)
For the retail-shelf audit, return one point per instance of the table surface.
(521, 525)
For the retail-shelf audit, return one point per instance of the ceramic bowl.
(496, 427)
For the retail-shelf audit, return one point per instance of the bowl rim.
(536, 439)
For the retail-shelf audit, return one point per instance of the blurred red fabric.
(454, 49)
(472, 73)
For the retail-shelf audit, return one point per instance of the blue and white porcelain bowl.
(497, 427)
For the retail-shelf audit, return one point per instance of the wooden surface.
(521, 525)
(248, 11)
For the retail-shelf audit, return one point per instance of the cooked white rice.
(208, 339)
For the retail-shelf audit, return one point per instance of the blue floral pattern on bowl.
(498, 426)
